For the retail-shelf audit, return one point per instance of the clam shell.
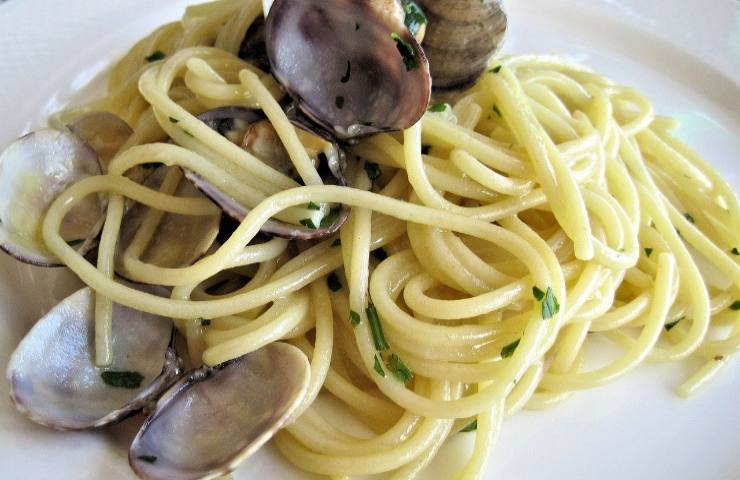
(215, 417)
(460, 38)
(233, 122)
(53, 378)
(34, 170)
(352, 66)
(178, 241)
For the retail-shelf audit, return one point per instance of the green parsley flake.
(538, 294)
(471, 427)
(158, 55)
(204, 322)
(550, 305)
(735, 306)
(379, 367)
(415, 18)
(129, 380)
(147, 458)
(438, 107)
(410, 60)
(399, 369)
(648, 252)
(735, 251)
(354, 318)
(496, 69)
(174, 120)
(373, 171)
(509, 349)
(337, 243)
(669, 326)
(329, 220)
(313, 206)
(376, 328)
(307, 222)
(498, 112)
(333, 282)
(688, 217)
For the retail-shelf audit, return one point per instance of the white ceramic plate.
(684, 54)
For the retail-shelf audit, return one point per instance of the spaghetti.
(545, 207)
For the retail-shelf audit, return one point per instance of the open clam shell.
(353, 66)
(215, 417)
(52, 374)
(103, 132)
(34, 170)
(249, 129)
(178, 241)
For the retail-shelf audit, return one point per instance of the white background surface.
(684, 54)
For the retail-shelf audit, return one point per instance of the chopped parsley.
(376, 328)
(329, 220)
(158, 55)
(373, 171)
(471, 427)
(648, 252)
(347, 73)
(339, 102)
(204, 322)
(438, 107)
(147, 458)
(735, 251)
(719, 358)
(333, 282)
(399, 369)
(415, 18)
(354, 318)
(688, 217)
(379, 367)
(496, 69)
(129, 380)
(307, 222)
(735, 306)
(509, 349)
(313, 206)
(337, 243)
(669, 326)
(174, 120)
(498, 112)
(410, 60)
(550, 305)
(538, 294)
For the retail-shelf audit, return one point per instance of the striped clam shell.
(460, 38)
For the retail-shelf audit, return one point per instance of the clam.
(103, 132)
(250, 130)
(215, 417)
(178, 241)
(460, 38)
(52, 374)
(34, 170)
(353, 67)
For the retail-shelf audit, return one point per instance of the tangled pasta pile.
(487, 245)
